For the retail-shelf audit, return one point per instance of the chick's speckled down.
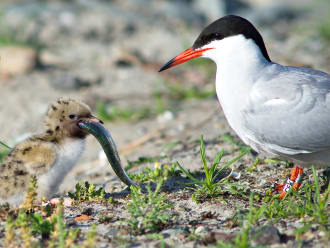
(48, 156)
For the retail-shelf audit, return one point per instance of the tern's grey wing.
(290, 110)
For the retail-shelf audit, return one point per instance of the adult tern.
(280, 111)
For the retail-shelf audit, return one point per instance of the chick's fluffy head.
(65, 111)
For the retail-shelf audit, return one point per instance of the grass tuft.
(160, 172)
(312, 209)
(32, 230)
(31, 195)
(61, 237)
(208, 187)
(87, 192)
(91, 239)
(148, 212)
(10, 233)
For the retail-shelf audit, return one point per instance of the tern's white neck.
(239, 65)
(236, 57)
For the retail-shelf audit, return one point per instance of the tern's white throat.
(236, 57)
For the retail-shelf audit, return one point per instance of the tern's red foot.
(279, 187)
(293, 182)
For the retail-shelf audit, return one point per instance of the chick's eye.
(72, 116)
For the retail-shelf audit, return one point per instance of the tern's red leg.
(293, 182)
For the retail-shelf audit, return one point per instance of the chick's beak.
(90, 119)
(95, 119)
(183, 57)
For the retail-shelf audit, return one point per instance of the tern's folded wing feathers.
(290, 110)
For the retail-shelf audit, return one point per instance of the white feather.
(68, 155)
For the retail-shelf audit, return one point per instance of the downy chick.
(48, 156)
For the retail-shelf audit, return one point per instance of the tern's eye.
(217, 35)
(72, 116)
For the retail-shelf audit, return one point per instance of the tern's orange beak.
(183, 57)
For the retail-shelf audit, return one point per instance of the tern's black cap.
(227, 26)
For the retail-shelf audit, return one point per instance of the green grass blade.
(326, 196)
(230, 163)
(235, 159)
(202, 152)
(227, 138)
(3, 144)
(187, 173)
(302, 229)
(216, 162)
(316, 182)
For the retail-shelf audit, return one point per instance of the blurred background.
(107, 53)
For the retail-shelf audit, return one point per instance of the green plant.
(90, 241)
(23, 223)
(114, 113)
(160, 172)
(4, 151)
(104, 217)
(143, 160)
(36, 231)
(40, 226)
(148, 212)
(155, 236)
(16, 36)
(111, 200)
(181, 93)
(10, 233)
(285, 163)
(254, 165)
(87, 192)
(31, 195)
(6, 146)
(321, 214)
(47, 209)
(312, 209)
(60, 236)
(208, 187)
